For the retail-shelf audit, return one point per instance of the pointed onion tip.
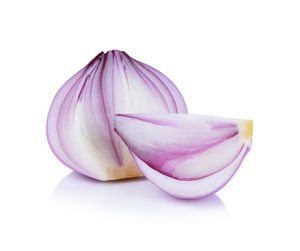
(246, 129)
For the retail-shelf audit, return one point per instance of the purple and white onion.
(188, 156)
(80, 127)
(119, 118)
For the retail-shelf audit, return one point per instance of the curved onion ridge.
(80, 121)
(188, 156)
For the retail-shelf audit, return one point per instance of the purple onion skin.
(80, 120)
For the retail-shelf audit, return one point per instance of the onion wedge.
(188, 156)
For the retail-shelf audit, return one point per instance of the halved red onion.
(188, 156)
(80, 121)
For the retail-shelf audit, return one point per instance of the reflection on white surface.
(132, 196)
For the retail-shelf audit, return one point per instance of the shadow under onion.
(136, 196)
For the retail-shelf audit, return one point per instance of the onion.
(188, 156)
(80, 121)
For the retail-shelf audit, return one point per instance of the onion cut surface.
(188, 156)
(80, 127)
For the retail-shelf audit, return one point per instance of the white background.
(229, 58)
